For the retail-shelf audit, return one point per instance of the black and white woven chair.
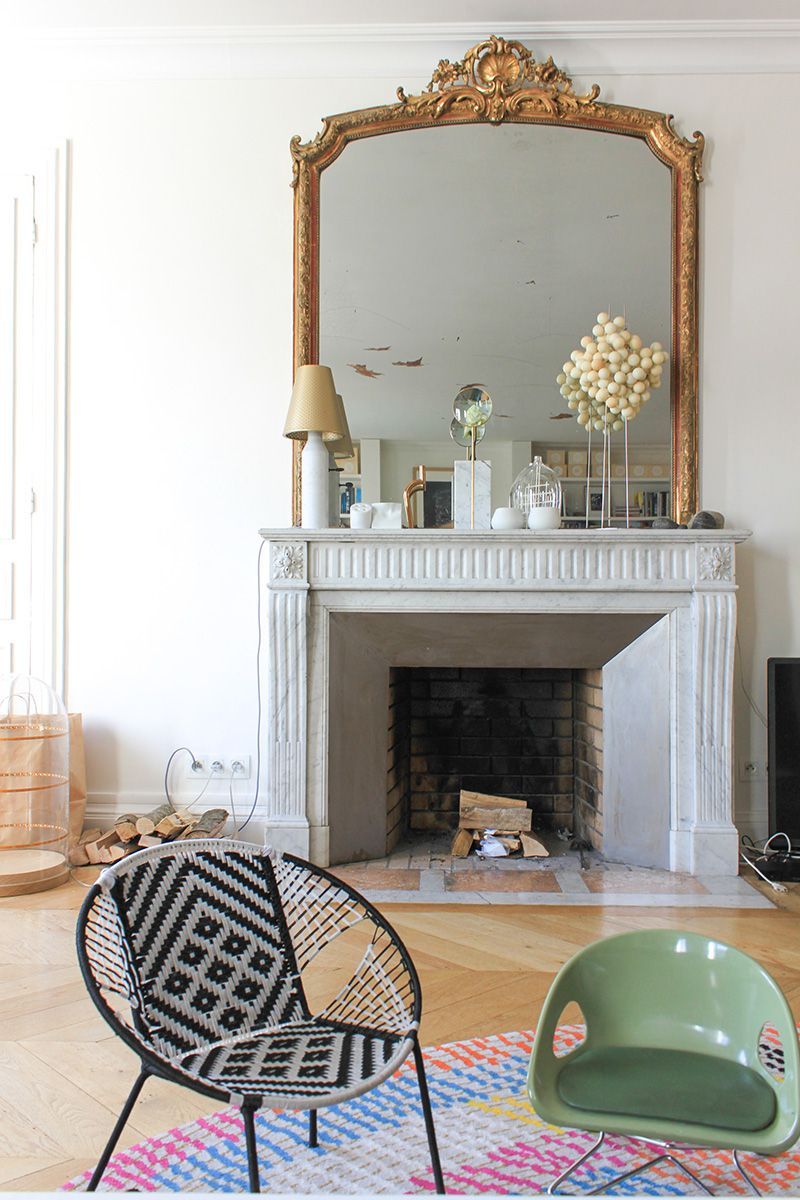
(194, 951)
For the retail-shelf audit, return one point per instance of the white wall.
(181, 364)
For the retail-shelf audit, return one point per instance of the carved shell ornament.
(497, 79)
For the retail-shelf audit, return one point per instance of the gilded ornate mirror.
(477, 244)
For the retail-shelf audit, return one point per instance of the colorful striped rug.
(490, 1141)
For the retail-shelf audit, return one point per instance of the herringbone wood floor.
(64, 1076)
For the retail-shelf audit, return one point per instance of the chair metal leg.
(312, 1128)
(551, 1191)
(606, 1186)
(744, 1175)
(133, 1096)
(428, 1114)
(249, 1118)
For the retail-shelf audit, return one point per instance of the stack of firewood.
(508, 820)
(131, 832)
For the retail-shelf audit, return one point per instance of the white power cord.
(764, 848)
(773, 883)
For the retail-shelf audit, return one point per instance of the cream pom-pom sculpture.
(609, 378)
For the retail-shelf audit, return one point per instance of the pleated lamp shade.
(343, 448)
(313, 407)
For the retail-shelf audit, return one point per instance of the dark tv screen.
(783, 700)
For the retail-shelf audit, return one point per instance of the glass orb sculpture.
(34, 786)
(472, 406)
(463, 437)
(537, 492)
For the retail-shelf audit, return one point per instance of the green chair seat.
(671, 1085)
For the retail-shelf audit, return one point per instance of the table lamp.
(343, 446)
(316, 418)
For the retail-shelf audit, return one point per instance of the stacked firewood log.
(508, 820)
(131, 832)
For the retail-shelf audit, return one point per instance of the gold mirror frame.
(496, 81)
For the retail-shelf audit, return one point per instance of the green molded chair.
(673, 1024)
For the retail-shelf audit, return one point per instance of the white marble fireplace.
(655, 609)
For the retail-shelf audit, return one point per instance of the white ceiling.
(150, 13)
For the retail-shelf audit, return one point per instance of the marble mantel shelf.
(669, 755)
(422, 559)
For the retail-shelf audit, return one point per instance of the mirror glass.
(480, 254)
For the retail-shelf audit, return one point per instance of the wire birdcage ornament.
(537, 492)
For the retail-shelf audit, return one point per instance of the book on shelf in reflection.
(645, 504)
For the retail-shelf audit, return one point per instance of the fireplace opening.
(569, 711)
(529, 733)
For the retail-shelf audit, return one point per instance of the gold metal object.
(496, 81)
(417, 485)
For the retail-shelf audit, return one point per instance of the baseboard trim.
(103, 808)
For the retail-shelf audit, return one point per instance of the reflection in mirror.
(481, 254)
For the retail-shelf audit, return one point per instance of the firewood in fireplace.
(477, 810)
(462, 843)
(484, 800)
(532, 847)
(473, 816)
(510, 841)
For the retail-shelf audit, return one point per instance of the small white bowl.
(544, 518)
(508, 518)
(387, 515)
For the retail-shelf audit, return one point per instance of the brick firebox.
(530, 733)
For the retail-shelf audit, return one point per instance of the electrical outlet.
(218, 766)
(750, 769)
(238, 766)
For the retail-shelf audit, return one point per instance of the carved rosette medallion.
(288, 562)
(715, 563)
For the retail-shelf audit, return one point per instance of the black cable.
(258, 693)
(180, 750)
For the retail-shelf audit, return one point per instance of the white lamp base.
(314, 473)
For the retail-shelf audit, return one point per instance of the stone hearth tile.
(474, 863)
(726, 885)
(365, 878)
(640, 879)
(612, 900)
(571, 882)
(429, 898)
(501, 881)
(363, 864)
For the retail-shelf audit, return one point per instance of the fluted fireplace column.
(286, 742)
